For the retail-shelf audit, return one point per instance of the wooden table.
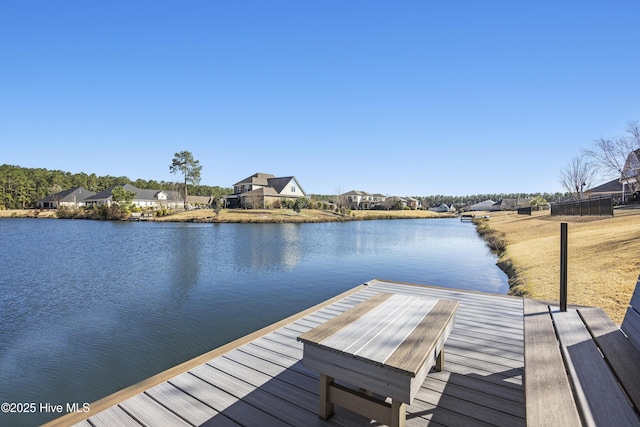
(384, 346)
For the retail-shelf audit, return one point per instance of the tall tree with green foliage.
(190, 168)
(122, 197)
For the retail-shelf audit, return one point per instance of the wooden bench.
(384, 346)
(580, 368)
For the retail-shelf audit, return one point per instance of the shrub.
(300, 203)
(495, 239)
(66, 212)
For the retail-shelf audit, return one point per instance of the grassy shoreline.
(603, 256)
(258, 215)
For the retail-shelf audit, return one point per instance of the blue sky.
(399, 98)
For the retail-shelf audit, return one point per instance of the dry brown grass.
(26, 213)
(288, 215)
(604, 256)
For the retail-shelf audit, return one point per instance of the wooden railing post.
(563, 266)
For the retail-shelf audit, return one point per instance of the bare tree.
(609, 155)
(577, 176)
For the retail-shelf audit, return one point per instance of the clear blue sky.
(393, 97)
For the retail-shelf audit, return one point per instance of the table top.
(392, 330)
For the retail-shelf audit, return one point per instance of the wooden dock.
(260, 379)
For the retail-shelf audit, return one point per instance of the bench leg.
(326, 407)
(440, 360)
(398, 414)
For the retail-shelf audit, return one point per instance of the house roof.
(262, 191)
(484, 204)
(613, 186)
(258, 178)
(512, 203)
(141, 193)
(356, 193)
(77, 194)
(280, 183)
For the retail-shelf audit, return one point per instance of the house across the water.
(263, 190)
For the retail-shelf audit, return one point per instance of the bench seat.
(580, 368)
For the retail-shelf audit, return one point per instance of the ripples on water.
(88, 307)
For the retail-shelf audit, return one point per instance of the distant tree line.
(21, 187)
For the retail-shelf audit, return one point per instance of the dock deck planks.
(264, 382)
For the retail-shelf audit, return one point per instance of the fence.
(524, 211)
(589, 207)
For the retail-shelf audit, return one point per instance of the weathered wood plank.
(549, 399)
(149, 412)
(257, 397)
(478, 386)
(113, 416)
(325, 331)
(601, 400)
(381, 332)
(484, 399)
(424, 413)
(635, 297)
(470, 408)
(418, 347)
(631, 326)
(181, 403)
(623, 356)
(225, 403)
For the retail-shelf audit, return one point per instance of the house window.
(293, 188)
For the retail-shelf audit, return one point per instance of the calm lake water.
(90, 307)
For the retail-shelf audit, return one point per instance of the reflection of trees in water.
(186, 261)
(268, 247)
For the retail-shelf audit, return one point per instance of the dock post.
(563, 266)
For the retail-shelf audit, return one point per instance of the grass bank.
(603, 256)
(255, 215)
(288, 215)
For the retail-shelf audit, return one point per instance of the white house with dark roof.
(144, 198)
(264, 190)
(74, 197)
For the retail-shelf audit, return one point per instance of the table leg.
(440, 360)
(398, 414)
(326, 407)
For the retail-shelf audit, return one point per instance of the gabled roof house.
(74, 197)
(264, 190)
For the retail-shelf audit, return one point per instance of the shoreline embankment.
(603, 261)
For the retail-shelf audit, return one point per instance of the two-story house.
(263, 190)
(356, 199)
